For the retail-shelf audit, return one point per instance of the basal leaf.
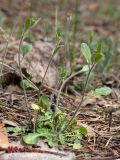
(31, 138)
(83, 130)
(43, 100)
(103, 91)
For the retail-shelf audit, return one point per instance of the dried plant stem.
(82, 99)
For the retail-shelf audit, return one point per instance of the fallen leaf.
(4, 142)
(93, 7)
(88, 100)
(36, 62)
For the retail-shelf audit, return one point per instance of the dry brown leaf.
(88, 100)
(93, 6)
(4, 142)
(37, 61)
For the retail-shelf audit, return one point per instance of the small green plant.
(92, 60)
(25, 49)
(57, 127)
(108, 48)
(49, 125)
(15, 130)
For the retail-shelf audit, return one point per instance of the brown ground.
(92, 17)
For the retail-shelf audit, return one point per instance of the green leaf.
(77, 144)
(85, 68)
(103, 91)
(26, 84)
(27, 24)
(44, 100)
(25, 49)
(43, 103)
(98, 57)
(16, 129)
(62, 138)
(99, 47)
(35, 106)
(63, 73)
(57, 48)
(31, 138)
(52, 142)
(30, 22)
(57, 37)
(86, 52)
(83, 130)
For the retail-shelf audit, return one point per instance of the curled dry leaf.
(36, 62)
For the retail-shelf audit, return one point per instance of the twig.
(108, 141)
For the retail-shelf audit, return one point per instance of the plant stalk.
(82, 99)
(21, 75)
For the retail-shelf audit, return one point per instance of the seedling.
(92, 60)
(57, 127)
(49, 125)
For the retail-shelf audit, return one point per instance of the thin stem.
(56, 19)
(6, 47)
(78, 108)
(63, 84)
(39, 92)
(76, 20)
(21, 75)
(49, 63)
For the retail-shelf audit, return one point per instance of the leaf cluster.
(49, 125)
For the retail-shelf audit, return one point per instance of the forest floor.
(96, 19)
